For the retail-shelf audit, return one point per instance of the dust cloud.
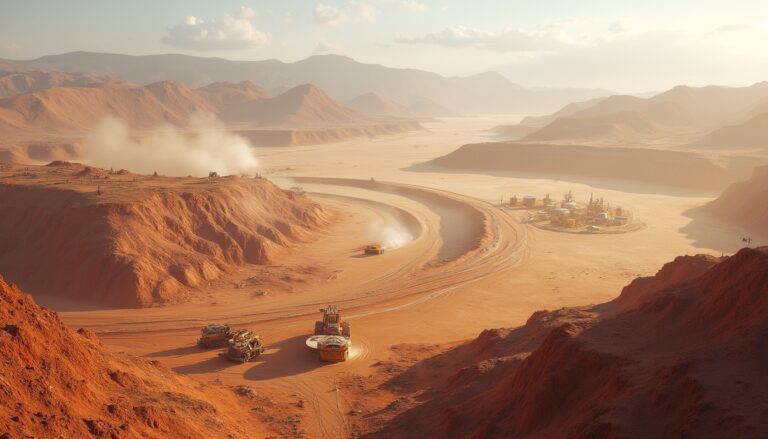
(202, 146)
(390, 234)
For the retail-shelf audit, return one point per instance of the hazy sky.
(628, 46)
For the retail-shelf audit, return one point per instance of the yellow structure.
(333, 349)
(332, 337)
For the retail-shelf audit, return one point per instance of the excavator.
(332, 337)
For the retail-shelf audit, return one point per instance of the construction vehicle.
(333, 349)
(332, 324)
(332, 337)
(214, 335)
(243, 346)
(373, 249)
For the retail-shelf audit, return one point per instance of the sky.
(624, 46)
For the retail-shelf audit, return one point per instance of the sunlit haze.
(624, 46)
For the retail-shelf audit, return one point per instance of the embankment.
(131, 241)
(674, 169)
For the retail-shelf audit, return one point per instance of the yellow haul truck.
(332, 337)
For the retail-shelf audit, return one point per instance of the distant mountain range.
(722, 117)
(343, 78)
(77, 109)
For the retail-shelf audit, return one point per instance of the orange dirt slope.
(681, 354)
(55, 382)
(143, 240)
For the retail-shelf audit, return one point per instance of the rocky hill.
(679, 354)
(55, 382)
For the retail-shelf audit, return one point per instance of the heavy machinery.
(243, 345)
(373, 249)
(332, 337)
(332, 324)
(214, 335)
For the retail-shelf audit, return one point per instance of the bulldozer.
(332, 336)
(243, 346)
(332, 324)
(214, 335)
(373, 249)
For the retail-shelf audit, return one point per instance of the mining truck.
(373, 249)
(243, 346)
(332, 337)
(214, 335)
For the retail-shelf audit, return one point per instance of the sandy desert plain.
(143, 261)
(469, 265)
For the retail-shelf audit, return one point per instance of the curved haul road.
(463, 240)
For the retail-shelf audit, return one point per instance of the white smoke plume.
(203, 146)
(390, 235)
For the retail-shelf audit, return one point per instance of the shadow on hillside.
(709, 232)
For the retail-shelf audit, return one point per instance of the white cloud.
(325, 47)
(229, 33)
(352, 11)
(509, 40)
(349, 11)
(412, 5)
(734, 28)
(542, 38)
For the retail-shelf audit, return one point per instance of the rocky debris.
(55, 382)
(683, 348)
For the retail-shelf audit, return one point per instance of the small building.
(529, 201)
(571, 205)
(570, 223)
(541, 216)
(620, 220)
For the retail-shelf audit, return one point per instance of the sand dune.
(78, 109)
(617, 126)
(143, 240)
(653, 167)
(513, 132)
(568, 110)
(61, 383)
(18, 83)
(224, 94)
(342, 77)
(301, 115)
(750, 135)
(302, 105)
(680, 109)
(374, 105)
(745, 203)
(430, 108)
(670, 349)
(318, 136)
(41, 152)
